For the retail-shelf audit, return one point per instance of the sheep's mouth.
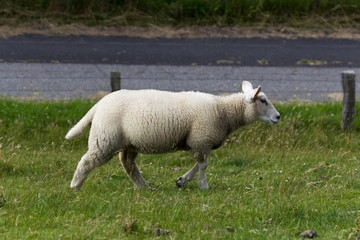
(269, 120)
(273, 122)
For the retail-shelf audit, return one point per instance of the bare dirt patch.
(154, 31)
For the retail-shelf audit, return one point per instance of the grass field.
(309, 13)
(266, 182)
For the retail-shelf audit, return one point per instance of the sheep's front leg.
(201, 165)
(187, 177)
(128, 161)
(203, 162)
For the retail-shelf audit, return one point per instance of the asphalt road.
(181, 52)
(64, 67)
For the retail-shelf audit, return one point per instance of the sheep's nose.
(278, 117)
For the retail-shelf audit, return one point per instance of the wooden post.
(348, 111)
(115, 81)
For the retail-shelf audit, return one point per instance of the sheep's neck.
(238, 111)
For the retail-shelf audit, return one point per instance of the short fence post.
(115, 80)
(348, 110)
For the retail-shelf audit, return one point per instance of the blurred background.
(296, 50)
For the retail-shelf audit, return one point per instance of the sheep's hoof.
(180, 182)
(203, 185)
(142, 186)
(76, 183)
(76, 187)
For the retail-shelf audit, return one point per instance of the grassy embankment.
(307, 13)
(267, 182)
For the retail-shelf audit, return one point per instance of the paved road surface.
(162, 51)
(80, 66)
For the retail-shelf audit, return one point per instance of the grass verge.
(266, 182)
(340, 13)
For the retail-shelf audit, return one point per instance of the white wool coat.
(151, 121)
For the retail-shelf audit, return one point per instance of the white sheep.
(150, 121)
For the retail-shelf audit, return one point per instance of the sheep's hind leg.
(187, 177)
(128, 161)
(88, 162)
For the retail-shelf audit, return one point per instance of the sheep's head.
(264, 108)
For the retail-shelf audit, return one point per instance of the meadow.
(266, 182)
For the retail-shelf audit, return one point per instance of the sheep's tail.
(80, 127)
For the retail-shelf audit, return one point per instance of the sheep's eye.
(264, 101)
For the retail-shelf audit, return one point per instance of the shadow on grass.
(237, 162)
(9, 170)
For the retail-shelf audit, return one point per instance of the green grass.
(266, 182)
(185, 12)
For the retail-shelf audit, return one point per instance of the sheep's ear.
(251, 95)
(257, 91)
(246, 86)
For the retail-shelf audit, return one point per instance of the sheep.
(129, 122)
